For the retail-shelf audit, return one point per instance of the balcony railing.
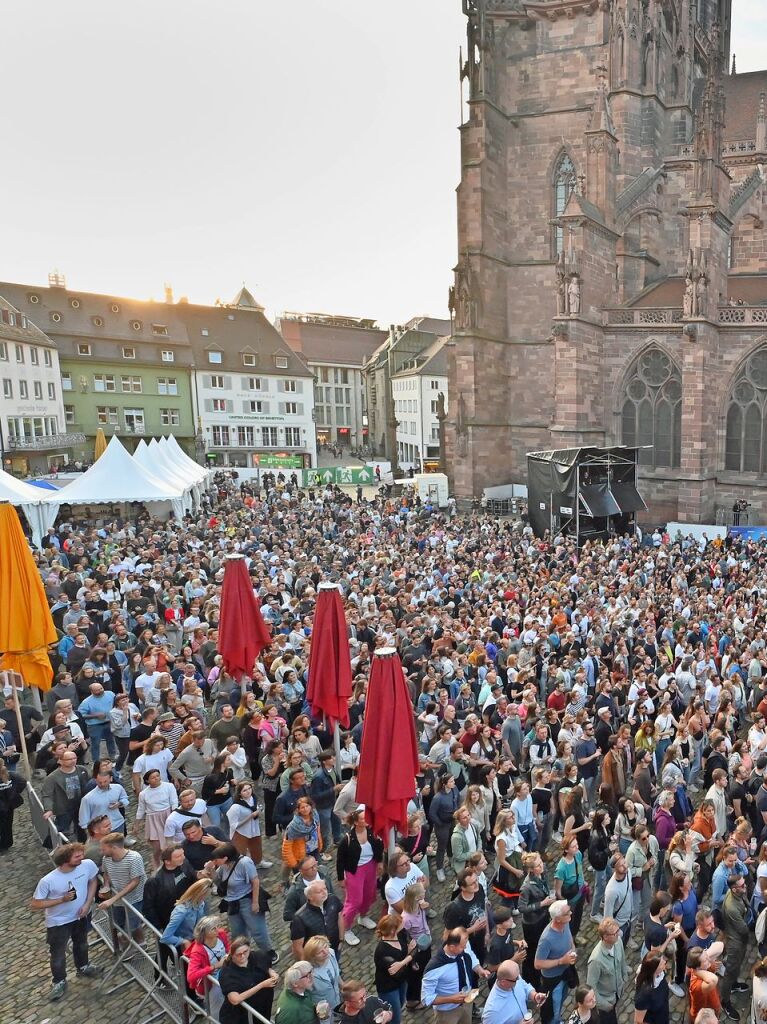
(743, 315)
(643, 316)
(41, 444)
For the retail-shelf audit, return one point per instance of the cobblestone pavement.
(26, 978)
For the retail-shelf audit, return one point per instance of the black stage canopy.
(587, 491)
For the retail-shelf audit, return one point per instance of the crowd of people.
(593, 751)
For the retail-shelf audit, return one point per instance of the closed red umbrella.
(330, 666)
(242, 632)
(389, 755)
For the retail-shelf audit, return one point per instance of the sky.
(306, 148)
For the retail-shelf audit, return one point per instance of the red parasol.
(386, 782)
(330, 667)
(242, 632)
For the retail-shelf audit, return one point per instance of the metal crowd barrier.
(165, 992)
(48, 834)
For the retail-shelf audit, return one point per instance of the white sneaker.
(264, 864)
(677, 990)
(368, 922)
(440, 875)
(351, 939)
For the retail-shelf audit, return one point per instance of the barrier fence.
(138, 963)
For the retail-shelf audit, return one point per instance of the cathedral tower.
(575, 108)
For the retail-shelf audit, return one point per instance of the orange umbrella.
(26, 626)
(100, 446)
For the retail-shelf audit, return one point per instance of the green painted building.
(126, 365)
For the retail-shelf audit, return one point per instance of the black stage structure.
(587, 493)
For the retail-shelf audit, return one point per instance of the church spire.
(709, 132)
(761, 125)
(601, 151)
(601, 119)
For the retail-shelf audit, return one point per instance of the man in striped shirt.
(125, 875)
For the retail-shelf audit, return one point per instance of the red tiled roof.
(342, 346)
(750, 289)
(742, 104)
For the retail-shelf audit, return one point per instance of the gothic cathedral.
(611, 286)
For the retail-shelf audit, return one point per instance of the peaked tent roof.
(180, 456)
(117, 477)
(153, 458)
(31, 501)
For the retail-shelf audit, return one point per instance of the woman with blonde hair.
(416, 922)
(680, 857)
(326, 974)
(189, 910)
(474, 802)
(508, 853)
(534, 903)
(206, 954)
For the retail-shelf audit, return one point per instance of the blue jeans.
(529, 833)
(248, 922)
(551, 1011)
(216, 812)
(127, 920)
(600, 881)
(396, 997)
(329, 825)
(98, 733)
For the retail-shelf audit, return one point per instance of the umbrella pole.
(20, 722)
(337, 744)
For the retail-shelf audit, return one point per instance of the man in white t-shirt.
(148, 678)
(190, 807)
(66, 895)
(402, 875)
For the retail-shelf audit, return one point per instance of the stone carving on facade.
(466, 297)
(568, 286)
(696, 277)
(574, 295)
(461, 427)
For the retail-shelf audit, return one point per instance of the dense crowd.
(592, 744)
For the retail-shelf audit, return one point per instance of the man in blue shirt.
(554, 957)
(728, 867)
(449, 978)
(95, 712)
(511, 995)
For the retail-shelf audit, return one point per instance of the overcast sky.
(305, 147)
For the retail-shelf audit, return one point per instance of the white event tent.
(198, 473)
(151, 457)
(117, 477)
(30, 500)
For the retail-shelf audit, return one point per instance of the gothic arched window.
(746, 441)
(652, 410)
(564, 186)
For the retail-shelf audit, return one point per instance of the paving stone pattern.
(26, 977)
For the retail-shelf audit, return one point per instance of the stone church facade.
(611, 286)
